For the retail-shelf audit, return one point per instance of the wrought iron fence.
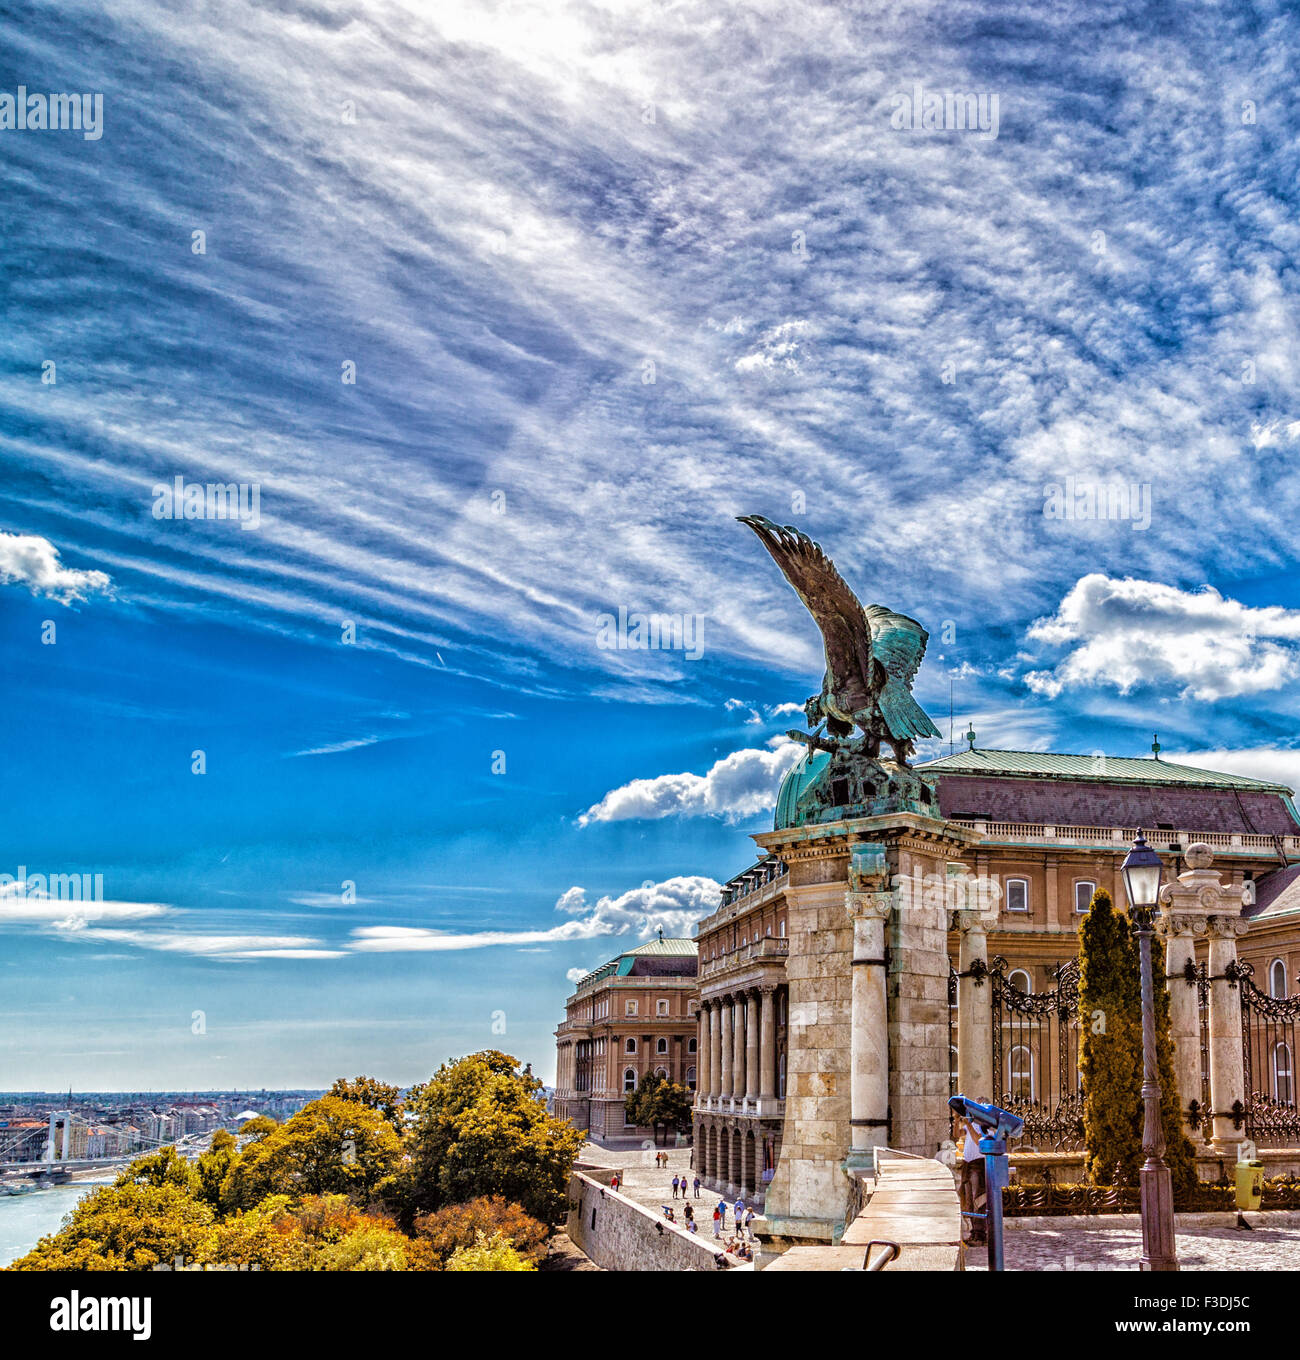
(1268, 1044)
(1036, 1057)
(952, 1033)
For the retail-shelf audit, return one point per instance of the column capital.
(767, 988)
(1180, 923)
(869, 906)
(1226, 927)
(970, 921)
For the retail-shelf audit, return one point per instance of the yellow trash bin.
(1250, 1184)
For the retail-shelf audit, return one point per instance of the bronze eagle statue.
(872, 653)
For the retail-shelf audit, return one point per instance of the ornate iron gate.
(1036, 1057)
(952, 1035)
(1268, 1044)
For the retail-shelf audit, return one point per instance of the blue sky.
(609, 275)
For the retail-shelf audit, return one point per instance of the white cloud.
(1271, 763)
(218, 947)
(1123, 633)
(576, 974)
(738, 785)
(32, 561)
(674, 906)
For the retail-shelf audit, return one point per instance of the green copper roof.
(674, 947)
(794, 782)
(1095, 768)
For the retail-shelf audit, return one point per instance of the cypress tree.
(1110, 1051)
(1110, 1060)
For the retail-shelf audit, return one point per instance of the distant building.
(632, 1015)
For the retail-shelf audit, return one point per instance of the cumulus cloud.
(1130, 632)
(31, 561)
(738, 785)
(673, 906)
(576, 975)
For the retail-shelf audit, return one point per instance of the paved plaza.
(1273, 1244)
(652, 1186)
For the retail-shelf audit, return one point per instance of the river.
(25, 1219)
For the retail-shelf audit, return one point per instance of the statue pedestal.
(867, 971)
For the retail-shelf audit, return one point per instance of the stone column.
(767, 1054)
(738, 1047)
(1180, 931)
(703, 1056)
(974, 1008)
(751, 1045)
(724, 1048)
(1227, 1069)
(868, 1026)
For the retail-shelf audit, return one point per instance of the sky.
(499, 313)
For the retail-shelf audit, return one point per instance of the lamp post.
(1142, 873)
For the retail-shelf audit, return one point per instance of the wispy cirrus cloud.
(674, 906)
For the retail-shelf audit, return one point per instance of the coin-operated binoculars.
(996, 1125)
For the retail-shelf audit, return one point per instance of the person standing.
(674, 1187)
(972, 1190)
(697, 1187)
(739, 1210)
(717, 1221)
(750, 1216)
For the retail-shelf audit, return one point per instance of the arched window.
(1020, 1071)
(661, 1072)
(780, 1075)
(781, 930)
(1017, 891)
(629, 1079)
(952, 1067)
(1083, 891)
(1021, 981)
(692, 1045)
(1283, 1088)
(631, 1046)
(690, 1078)
(1277, 978)
(661, 1045)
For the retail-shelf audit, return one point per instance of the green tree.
(489, 1253)
(330, 1146)
(377, 1094)
(1110, 1063)
(659, 1103)
(480, 1128)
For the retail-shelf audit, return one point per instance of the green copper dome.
(794, 784)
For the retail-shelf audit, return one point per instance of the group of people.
(688, 1223)
(680, 1183)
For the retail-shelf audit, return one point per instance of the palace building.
(1042, 832)
(632, 1015)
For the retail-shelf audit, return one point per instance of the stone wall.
(619, 1234)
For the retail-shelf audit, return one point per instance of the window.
(1020, 1070)
(631, 1046)
(661, 1007)
(692, 1045)
(661, 1045)
(1017, 894)
(1083, 891)
(1282, 1089)
(952, 1067)
(690, 1078)
(631, 1008)
(629, 1079)
(1277, 978)
(661, 1072)
(780, 929)
(1021, 981)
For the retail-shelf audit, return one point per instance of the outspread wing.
(824, 592)
(897, 642)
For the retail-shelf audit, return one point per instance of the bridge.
(189, 1145)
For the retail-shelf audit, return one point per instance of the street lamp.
(1142, 873)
